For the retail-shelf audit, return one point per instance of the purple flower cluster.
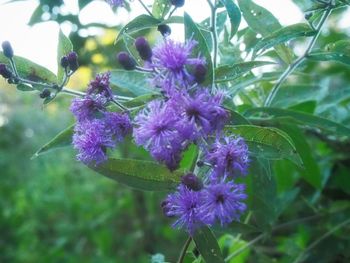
(97, 129)
(115, 3)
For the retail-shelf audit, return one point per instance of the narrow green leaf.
(207, 245)
(305, 119)
(229, 73)
(30, 70)
(24, 87)
(283, 35)
(263, 22)
(137, 24)
(338, 52)
(64, 47)
(189, 158)
(267, 142)
(139, 174)
(132, 81)
(63, 139)
(234, 14)
(140, 100)
(193, 32)
(160, 8)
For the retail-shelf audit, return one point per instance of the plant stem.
(297, 62)
(213, 31)
(73, 92)
(146, 8)
(321, 238)
(184, 250)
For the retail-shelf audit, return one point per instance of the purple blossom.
(118, 125)
(184, 204)
(223, 202)
(88, 107)
(156, 129)
(91, 141)
(115, 2)
(229, 157)
(171, 60)
(100, 85)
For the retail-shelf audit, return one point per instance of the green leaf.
(139, 174)
(36, 16)
(266, 142)
(305, 119)
(193, 32)
(283, 35)
(64, 47)
(30, 70)
(160, 8)
(83, 3)
(229, 73)
(63, 139)
(24, 87)
(338, 52)
(132, 81)
(234, 14)
(189, 158)
(140, 100)
(137, 24)
(207, 245)
(236, 228)
(263, 22)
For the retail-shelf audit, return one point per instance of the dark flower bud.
(45, 93)
(192, 182)
(5, 72)
(177, 3)
(126, 61)
(64, 62)
(7, 48)
(164, 29)
(200, 163)
(308, 15)
(199, 73)
(143, 48)
(73, 61)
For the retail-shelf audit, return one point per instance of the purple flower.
(201, 114)
(115, 2)
(186, 205)
(223, 202)
(100, 85)
(171, 59)
(157, 131)
(88, 107)
(118, 125)
(91, 141)
(229, 157)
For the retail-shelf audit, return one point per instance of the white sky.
(38, 43)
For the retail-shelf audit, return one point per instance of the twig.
(297, 62)
(184, 250)
(146, 8)
(213, 31)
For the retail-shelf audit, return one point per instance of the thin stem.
(146, 8)
(73, 92)
(213, 31)
(172, 12)
(121, 106)
(184, 250)
(297, 62)
(320, 239)
(13, 65)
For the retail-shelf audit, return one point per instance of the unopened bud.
(7, 49)
(199, 73)
(308, 15)
(126, 61)
(73, 61)
(164, 29)
(192, 182)
(64, 62)
(178, 3)
(5, 72)
(143, 48)
(45, 93)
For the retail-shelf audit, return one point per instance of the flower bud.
(143, 48)
(177, 3)
(199, 73)
(126, 61)
(5, 72)
(73, 61)
(64, 62)
(7, 48)
(192, 182)
(308, 15)
(164, 29)
(45, 93)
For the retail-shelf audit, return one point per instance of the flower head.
(91, 141)
(229, 157)
(88, 107)
(185, 204)
(117, 124)
(100, 85)
(223, 202)
(115, 2)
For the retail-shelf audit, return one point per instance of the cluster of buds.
(70, 61)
